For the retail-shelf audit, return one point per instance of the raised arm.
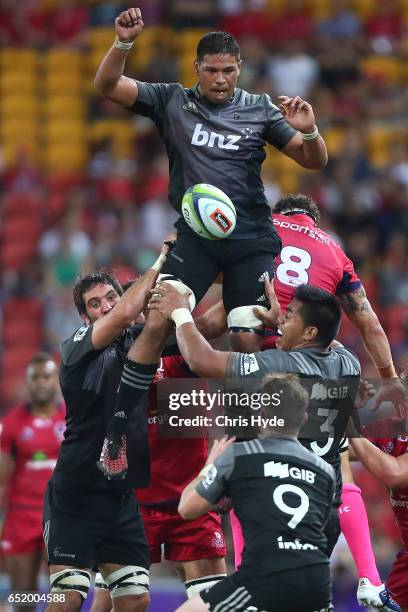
(358, 309)
(128, 308)
(199, 355)
(109, 80)
(307, 147)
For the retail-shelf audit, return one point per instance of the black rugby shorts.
(85, 528)
(197, 262)
(304, 589)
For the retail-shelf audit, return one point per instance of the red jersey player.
(387, 459)
(196, 547)
(31, 435)
(310, 255)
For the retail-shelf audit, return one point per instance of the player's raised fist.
(129, 25)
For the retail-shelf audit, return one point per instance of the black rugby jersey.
(219, 144)
(331, 379)
(282, 494)
(89, 381)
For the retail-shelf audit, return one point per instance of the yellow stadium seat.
(19, 130)
(66, 157)
(288, 182)
(188, 77)
(389, 68)
(378, 141)
(144, 46)
(319, 9)
(63, 60)
(48, 5)
(68, 106)
(275, 7)
(11, 150)
(101, 37)
(288, 165)
(155, 34)
(18, 82)
(63, 83)
(186, 40)
(61, 131)
(334, 139)
(19, 59)
(403, 6)
(364, 8)
(92, 61)
(121, 131)
(17, 105)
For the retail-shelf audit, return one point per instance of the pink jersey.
(174, 462)
(33, 442)
(398, 497)
(309, 255)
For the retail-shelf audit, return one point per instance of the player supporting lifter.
(31, 435)
(283, 496)
(214, 132)
(197, 548)
(88, 521)
(309, 255)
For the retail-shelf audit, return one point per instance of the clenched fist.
(129, 25)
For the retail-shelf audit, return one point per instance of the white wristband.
(312, 136)
(207, 468)
(181, 316)
(125, 46)
(159, 262)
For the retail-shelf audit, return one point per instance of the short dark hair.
(297, 203)
(128, 284)
(293, 403)
(41, 357)
(85, 282)
(217, 42)
(320, 309)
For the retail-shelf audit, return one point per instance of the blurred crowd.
(348, 58)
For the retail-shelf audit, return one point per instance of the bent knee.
(131, 603)
(245, 342)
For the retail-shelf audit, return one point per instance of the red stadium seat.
(19, 308)
(16, 229)
(10, 390)
(14, 365)
(395, 320)
(21, 204)
(14, 255)
(22, 331)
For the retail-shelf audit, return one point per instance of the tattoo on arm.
(356, 302)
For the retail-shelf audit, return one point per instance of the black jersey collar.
(199, 96)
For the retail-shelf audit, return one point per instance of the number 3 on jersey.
(293, 269)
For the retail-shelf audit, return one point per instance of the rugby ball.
(208, 211)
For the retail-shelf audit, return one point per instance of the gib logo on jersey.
(203, 138)
(276, 469)
(321, 392)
